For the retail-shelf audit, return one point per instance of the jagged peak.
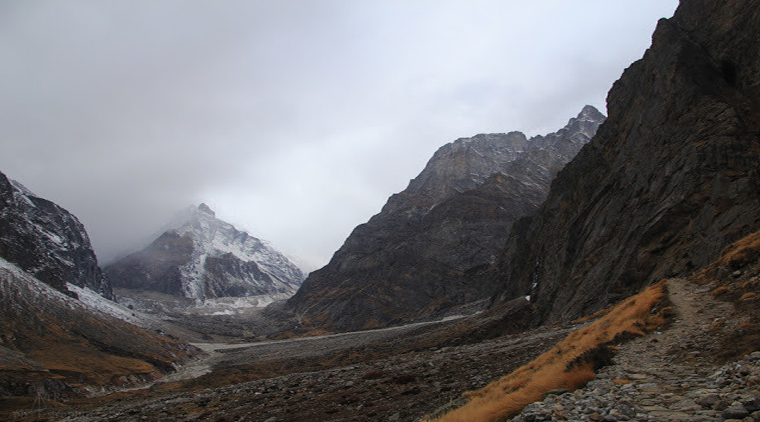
(590, 113)
(205, 209)
(23, 189)
(514, 137)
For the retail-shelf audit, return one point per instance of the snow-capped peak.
(214, 259)
(206, 210)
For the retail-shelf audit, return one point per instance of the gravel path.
(666, 376)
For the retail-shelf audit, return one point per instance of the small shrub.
(598, 357)
(719, 291)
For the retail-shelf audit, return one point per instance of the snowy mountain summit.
(202, 257)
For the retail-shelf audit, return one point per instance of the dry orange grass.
(567, 366)
(742, 251)
(719, 291)
(740, 254)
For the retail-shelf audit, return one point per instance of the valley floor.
(387, 375)
(348, 377)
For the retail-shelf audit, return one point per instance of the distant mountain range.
(433, 246)
(201, 257)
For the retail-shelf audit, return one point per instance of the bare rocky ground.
(365, 376)
(682, 373)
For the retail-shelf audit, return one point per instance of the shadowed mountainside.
(670, 179)
(433, 246)
(47, 241)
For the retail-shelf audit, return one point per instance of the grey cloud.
(295, 119)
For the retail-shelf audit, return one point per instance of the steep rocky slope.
(669, 180)
(200, 257)
(432, 245)
(47, 241)
(55, 347)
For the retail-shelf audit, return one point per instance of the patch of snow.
(213, 237)
(7, 265)
(14, 278)
(238, 305)
(22, 192)
(22, 189)
(95, 301)
(15, 282)
(54, 237)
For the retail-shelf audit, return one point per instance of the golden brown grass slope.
(55, 343)
(569, 365)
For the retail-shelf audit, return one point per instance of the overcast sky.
(294, 120)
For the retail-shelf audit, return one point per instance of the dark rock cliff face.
(433, 245)
(203, 257)
(670, 178)
(155, 268)
(47, 241)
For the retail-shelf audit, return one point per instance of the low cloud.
(294, 119)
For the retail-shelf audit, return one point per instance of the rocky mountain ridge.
(200, 257)
(432, 246)
(668, 181)
(47, 241)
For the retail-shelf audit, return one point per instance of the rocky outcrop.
(432, 246)
(670, 178)
(47, 241)
(200, 257)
